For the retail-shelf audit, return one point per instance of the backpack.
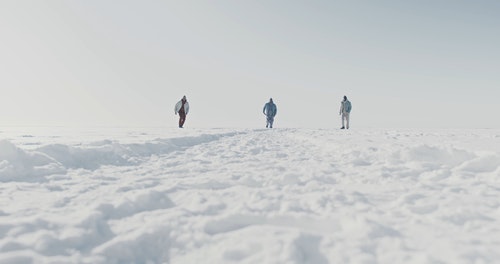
(347, 106)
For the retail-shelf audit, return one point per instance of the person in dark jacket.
(270, 111)
(182, 107)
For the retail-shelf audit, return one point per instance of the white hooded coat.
(179, 105)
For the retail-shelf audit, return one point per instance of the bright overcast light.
(401, 63)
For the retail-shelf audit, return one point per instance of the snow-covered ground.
(166, 195)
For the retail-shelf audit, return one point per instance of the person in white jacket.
(182, 107)
(345, 111)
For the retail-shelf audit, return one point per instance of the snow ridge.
(17, 164)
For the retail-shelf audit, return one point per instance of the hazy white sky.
(401, 63)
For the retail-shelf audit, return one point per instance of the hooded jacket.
(270, 109)
(179, 105)
(345, 106)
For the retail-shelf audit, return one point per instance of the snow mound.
(17, 164)
(433, 155)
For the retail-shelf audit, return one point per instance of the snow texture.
(250, 196)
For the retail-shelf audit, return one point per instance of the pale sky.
(415, 64)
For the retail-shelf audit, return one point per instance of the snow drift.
(253, 196)
(21, 165)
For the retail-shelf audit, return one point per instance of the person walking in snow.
(345, 111)
(182, 107)
(270, 111)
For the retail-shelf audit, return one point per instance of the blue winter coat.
(270, 109)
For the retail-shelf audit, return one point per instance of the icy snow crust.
(250, 196)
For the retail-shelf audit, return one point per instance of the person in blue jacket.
(270, 111)
(345, 111)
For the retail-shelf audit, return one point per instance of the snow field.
(252, 196)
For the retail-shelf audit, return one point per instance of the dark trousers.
(182, 119)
